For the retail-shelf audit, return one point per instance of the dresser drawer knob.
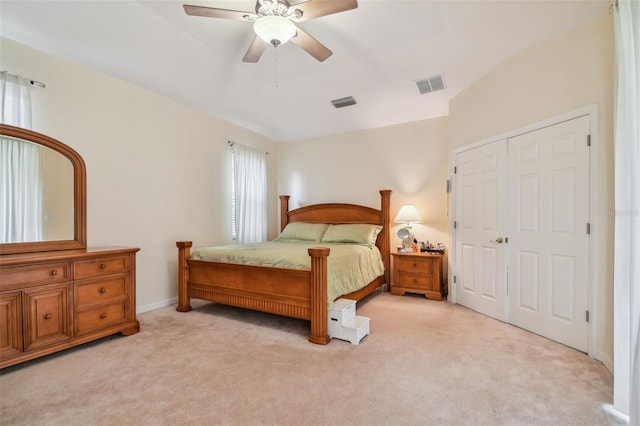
(103, 265)
(53, 272)
(415, 265)
(48, 316)
(415, 281)
(103, 315)
(102, 290)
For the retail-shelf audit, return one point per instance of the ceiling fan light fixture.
(274, 29)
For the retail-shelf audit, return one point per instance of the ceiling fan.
(274, 22)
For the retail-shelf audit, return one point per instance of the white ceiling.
(379, 50)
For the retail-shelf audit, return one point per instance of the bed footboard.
(289, 292)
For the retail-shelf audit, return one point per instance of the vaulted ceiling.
(380, 50)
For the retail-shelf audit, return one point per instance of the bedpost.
(184, 251)
(284, 211)
(385, 196)
(319, 317)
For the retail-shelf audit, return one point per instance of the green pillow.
(356, 233)
(302, 231)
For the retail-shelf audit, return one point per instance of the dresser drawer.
(98, 292)
(46, 273)
(100, 267)
(416, 264)
(100, 318)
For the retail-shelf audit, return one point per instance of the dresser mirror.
(42, 193)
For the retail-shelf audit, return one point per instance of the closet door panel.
(480, 221)
(548, 240)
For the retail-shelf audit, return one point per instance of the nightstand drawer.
(416, 281)
(423, 265)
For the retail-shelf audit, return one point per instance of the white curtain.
(250, 194)
(20, 171)
(627, 209)
(15, 100)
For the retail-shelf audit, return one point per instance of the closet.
(521, 230)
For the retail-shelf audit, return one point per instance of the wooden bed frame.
(289, 292)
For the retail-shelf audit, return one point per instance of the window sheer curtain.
(20, 171)
(627, 211)
(250, 193)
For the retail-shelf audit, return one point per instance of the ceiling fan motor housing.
(277, 7)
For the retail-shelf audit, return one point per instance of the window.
(20, 172)
(248, 194)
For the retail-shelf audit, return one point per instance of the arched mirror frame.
(79, 195)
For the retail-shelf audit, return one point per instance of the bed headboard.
(337, 213)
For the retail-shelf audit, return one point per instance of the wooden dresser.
(54, 291)
(418, 273)
(52, 301)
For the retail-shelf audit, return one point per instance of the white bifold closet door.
(481, 197)
(522, 242)
(548, 235)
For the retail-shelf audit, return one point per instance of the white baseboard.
(605, 359)
(616, 418)
(156, 305)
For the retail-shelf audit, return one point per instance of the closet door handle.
(499, 240)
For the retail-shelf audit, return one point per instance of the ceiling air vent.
(431, 84)
(343, 102)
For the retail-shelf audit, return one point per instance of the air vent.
(431, 84)
(343, 102)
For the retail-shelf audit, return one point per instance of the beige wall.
(157, 170)
(560, 75)
(409, 159)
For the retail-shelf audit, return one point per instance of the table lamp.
(408, 214)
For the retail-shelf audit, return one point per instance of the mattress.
(349, 266)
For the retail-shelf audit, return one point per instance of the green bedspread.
(349, 266)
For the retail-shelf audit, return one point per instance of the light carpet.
(424, 363)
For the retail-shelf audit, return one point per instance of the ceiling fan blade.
(312, 46)
(212, 12)
(255, 50)
(317, 8)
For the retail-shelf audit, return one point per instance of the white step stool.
(344, 324)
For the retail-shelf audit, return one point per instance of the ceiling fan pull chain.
(276, 61)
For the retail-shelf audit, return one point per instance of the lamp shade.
(408, 214)
(274, 29)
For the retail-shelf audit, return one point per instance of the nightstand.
(418, 273)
